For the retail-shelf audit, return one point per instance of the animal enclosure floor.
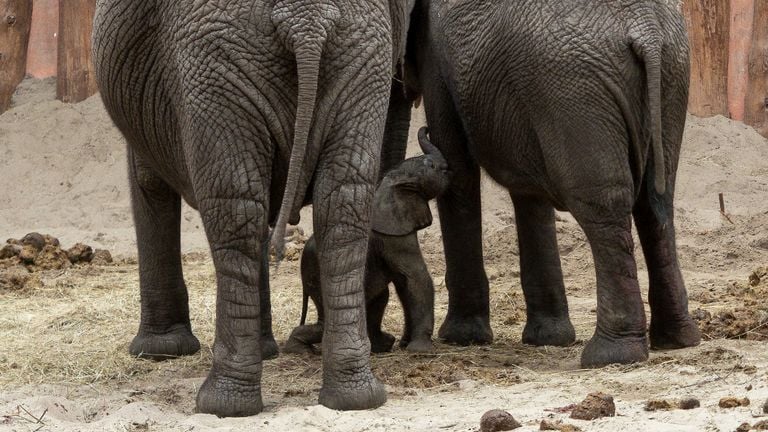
(64, 364)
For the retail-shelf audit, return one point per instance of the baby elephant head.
(401, 203)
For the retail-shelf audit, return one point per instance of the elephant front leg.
(468, 318)
(541, 275)
(671, 325)
(165, 331)
(620, 333)
(236, 229)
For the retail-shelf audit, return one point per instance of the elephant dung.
(10, 251)
(101, 257)
(594, 406)
(14, 279)
(52, 258)
(558, 426)
(498, 420)
(732, 402)
(689, 403)
(80, 253)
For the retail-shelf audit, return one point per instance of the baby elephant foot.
(601, 351)
(381, 342)
(674, 335)
(420, 346)
(229, 397)
(549, 331)
(303, 338)
(269, 349)
(470, 330)
(178, 341)
(357, 391)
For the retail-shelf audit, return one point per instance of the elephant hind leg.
(671, 325)
(165, 330)
(237, 229)
(603, 209)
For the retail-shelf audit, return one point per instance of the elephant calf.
(400, 209)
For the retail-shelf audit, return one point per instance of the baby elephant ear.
(399, 211)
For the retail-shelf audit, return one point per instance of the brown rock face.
(498, 420)
(595, 406)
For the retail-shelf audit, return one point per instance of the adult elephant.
(570, 104)
(234, 106)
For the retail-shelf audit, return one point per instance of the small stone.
(498, 420)
(595, 406)
(10, 251)
(689, 403)
(36, 240)
(732, 402)
(101, 257)
(80, 253)
(761, 425)
(765, 407)
(744, 427)
(658, 405)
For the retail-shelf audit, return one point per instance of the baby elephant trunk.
(426, 145)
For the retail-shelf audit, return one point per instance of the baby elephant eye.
(429, 163)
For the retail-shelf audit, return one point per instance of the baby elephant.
(400, 209)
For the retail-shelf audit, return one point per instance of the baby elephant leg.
(376, 299)
(415, 289)
(303, 338)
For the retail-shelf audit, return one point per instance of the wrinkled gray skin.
(400, 209)
(236, 107)
(570, 104)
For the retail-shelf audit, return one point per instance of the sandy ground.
(64, 364)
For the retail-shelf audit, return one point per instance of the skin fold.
(400, 209)
(572, 105)
(247, 110)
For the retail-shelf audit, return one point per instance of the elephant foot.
(420, 346)
(381, 342)
(303, 338)
(358, 391)
(551, 331)
(179, 341)
(471, 330)
(269, 349)
(674, 335)
(601, 351)
(229, 397)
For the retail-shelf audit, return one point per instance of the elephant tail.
(304, 307)
(646, 39)
(304, 32)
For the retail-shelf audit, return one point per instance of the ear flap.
(398, 210)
